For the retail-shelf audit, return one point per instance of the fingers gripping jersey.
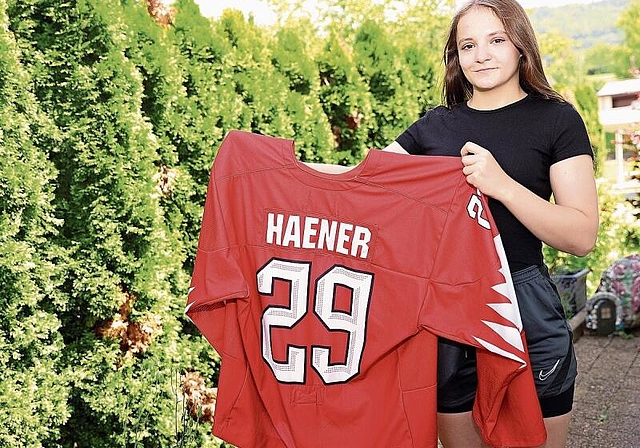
(324, 295)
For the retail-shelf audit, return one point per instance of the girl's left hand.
(482, 170)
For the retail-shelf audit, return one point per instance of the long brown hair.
(458, 89)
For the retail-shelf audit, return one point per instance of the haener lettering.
(310, 232)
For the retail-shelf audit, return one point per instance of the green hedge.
(34, 384)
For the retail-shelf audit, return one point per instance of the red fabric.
(329, 342)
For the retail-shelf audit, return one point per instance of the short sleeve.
(571, 137)
(411, 137)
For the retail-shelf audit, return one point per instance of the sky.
(263, 15)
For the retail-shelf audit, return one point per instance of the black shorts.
(549, 339)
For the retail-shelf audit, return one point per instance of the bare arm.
(395, 147)
(570, 224)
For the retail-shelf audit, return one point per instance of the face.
(488, 58)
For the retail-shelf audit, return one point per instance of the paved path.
(607, 399)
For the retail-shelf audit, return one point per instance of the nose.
(482, 53)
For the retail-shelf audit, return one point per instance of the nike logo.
(544, 375)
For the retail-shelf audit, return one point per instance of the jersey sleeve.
(217, 278)
(472, 300)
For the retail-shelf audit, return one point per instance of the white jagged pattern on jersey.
(509, 311)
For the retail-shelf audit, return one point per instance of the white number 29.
(297, 274)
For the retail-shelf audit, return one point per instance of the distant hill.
(587, 24)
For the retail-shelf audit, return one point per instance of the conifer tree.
(380, 65)
(345, 99)
(33, 378)
(214, 104)
(120, 321)
(293, 57)
(154, 49)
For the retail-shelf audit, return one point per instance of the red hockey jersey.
(324, 293)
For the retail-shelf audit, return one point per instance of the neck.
(488, 100)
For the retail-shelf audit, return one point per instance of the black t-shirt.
(525, 138)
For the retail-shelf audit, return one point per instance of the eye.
(499, 40)
(466, 47)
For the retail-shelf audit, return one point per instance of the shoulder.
(438, 111)
(554, 108)
(423, 123)
(566, 130)
(564, 115)
(442, 110)
(552, 116)
(439, 115)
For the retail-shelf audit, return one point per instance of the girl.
(520, 143)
